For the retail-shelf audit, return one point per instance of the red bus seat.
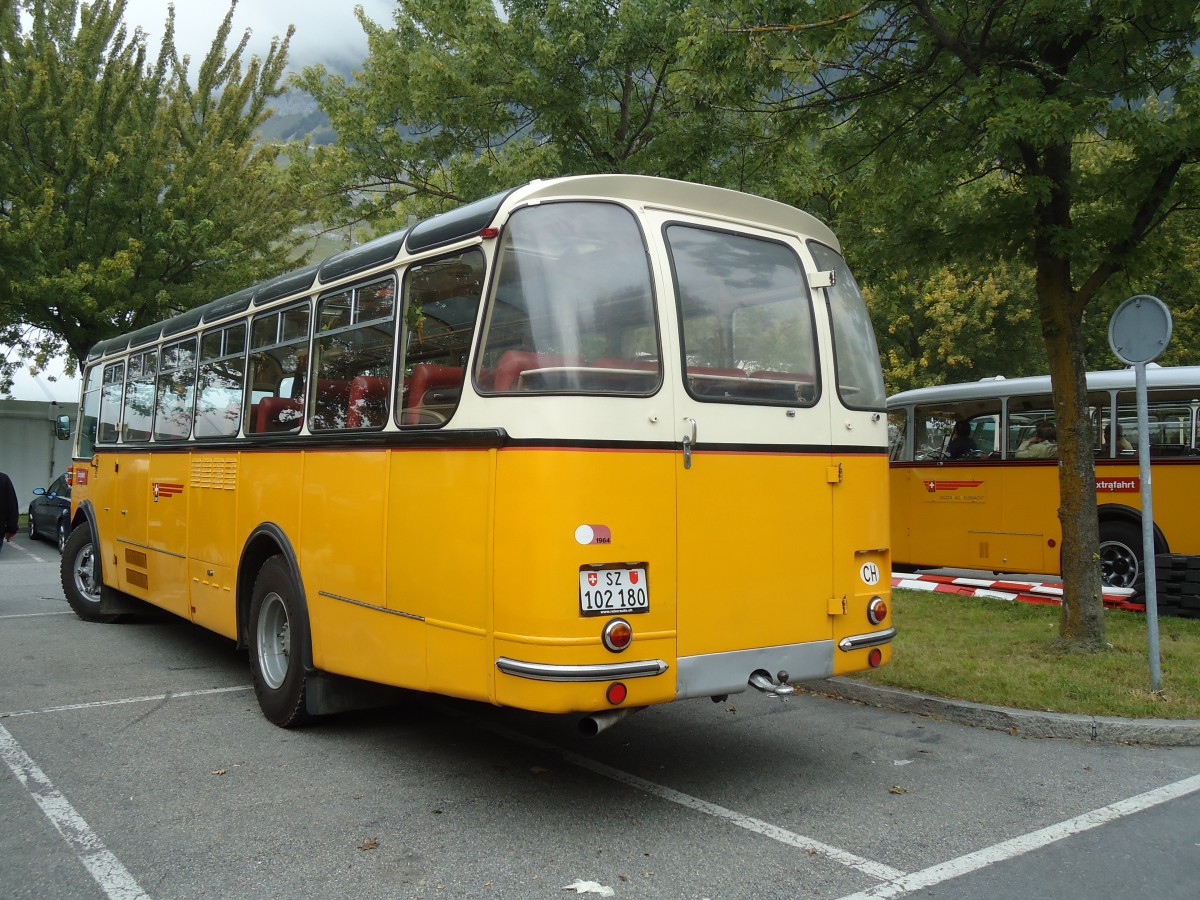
(425, 376)
(368, 402)
(277, 414)
(513, 363)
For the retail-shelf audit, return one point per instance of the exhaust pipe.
(590, 726)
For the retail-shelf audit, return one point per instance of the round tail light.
(877, 610)
(617, 635)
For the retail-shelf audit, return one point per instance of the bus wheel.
(1120, 554)
(79, 570)
(278, 638)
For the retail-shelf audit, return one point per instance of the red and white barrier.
(1022, 591)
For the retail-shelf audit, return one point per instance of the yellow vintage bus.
(987, 497)
(584, 446)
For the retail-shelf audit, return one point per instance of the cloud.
(325, 31)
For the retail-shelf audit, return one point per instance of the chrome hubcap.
(85, 574)
(274, 640)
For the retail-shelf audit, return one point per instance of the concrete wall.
(29, 453)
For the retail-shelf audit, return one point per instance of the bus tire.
(79, 570)
(1120, 554)
(278, 644)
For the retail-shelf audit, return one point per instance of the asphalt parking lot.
(137, 764)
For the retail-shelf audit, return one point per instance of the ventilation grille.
(218, 473)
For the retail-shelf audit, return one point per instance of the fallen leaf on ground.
(369, 844)
(896, 789)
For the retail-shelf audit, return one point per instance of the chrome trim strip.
(129, 543)
(874, 639)
(603, 672)
(373, 607)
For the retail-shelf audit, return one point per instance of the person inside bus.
(1123, 445)
(1042, 444)
(962, 445)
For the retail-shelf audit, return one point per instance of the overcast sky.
(325, 29)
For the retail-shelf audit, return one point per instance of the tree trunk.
(1082, 621)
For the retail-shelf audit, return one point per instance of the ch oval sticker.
(869, 573)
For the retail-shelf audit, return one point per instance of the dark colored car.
(50, 512)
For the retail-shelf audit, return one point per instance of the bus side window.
(109, 424)
(441, 302)
(897, 434)
(176, 392)
(279, 370)
(219, 397)
(354, 347)
(139, 396)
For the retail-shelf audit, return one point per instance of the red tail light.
(617, 635)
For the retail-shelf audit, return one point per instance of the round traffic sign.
(1140, 329)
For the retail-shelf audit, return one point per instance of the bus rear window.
(747, 324)
(573, 307)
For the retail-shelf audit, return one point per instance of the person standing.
(10, 512)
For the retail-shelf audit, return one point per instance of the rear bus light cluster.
(877, 610)
(617, 635)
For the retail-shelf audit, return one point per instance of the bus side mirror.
(62, 428)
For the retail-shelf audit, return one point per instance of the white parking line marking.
(971, 862)
(114, 879)
(758, 826)
(95, 704)
(65, 612)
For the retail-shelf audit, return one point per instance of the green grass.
(1003, 653)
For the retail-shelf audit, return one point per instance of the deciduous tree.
(461, 99)
(1005, 102)
(127, 192)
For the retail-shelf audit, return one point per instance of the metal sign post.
(1138, 333)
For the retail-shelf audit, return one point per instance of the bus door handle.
(689, 441)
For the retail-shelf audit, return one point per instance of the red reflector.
(875, 657)
(616, 693)
(1051, 543)
(489, 233)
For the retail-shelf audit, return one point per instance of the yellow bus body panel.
(862, 558)
(439, 560)
(755, 538)
(543, 496)
(977, 516)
